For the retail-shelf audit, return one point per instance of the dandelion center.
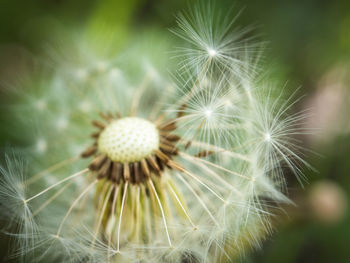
(131, 148)
(129, 139)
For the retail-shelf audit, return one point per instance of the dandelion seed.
(208, 113)
(267, 137)
(212, 52)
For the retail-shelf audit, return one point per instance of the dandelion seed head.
(152, 168)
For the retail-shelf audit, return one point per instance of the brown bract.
(135, 172)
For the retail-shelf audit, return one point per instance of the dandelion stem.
(161, 210)
(58, 183)
(87, 189)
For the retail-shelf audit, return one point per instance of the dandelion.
(132, 166)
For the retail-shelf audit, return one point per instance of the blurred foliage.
(306, 39)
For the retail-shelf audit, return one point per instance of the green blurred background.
(308, 46)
